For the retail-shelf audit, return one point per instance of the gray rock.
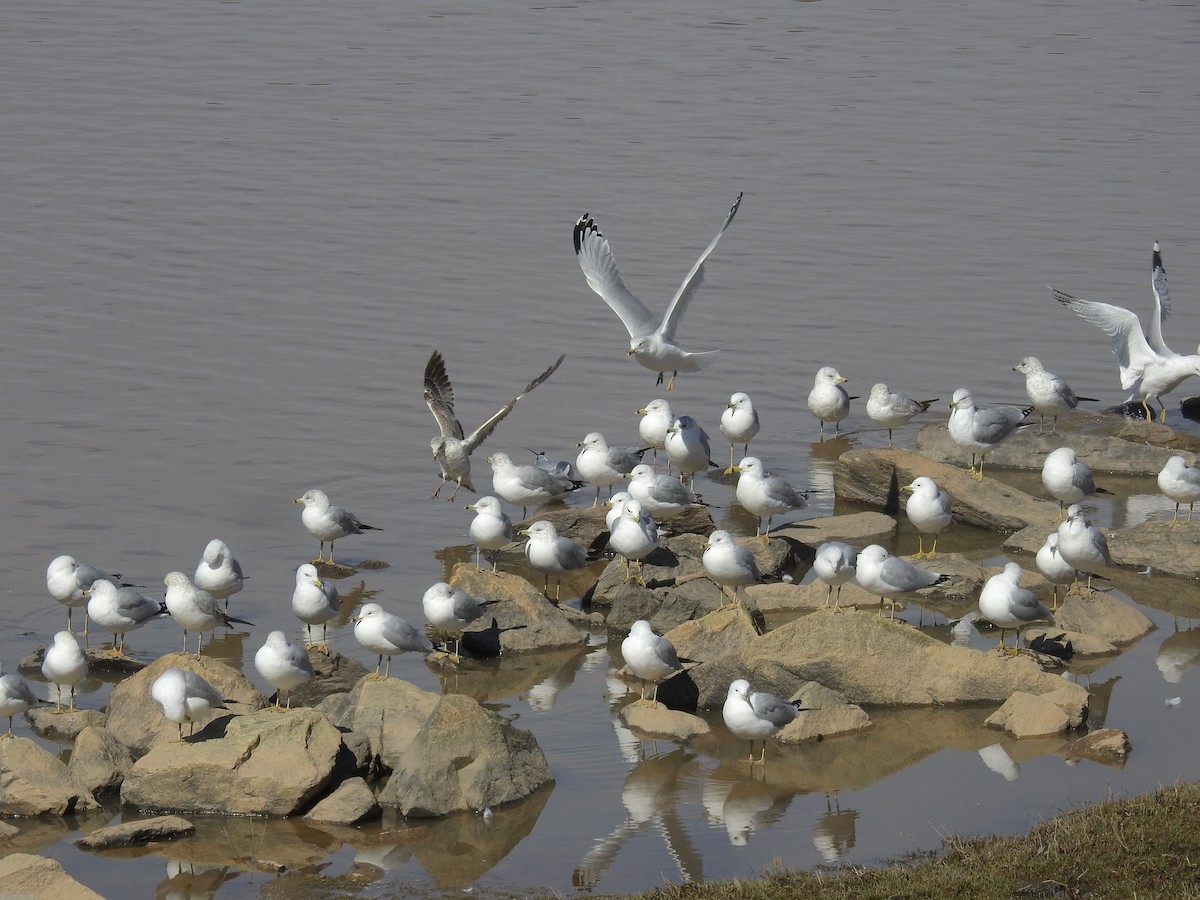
(1110, 746)
(268, 763)
(826, 714)
(65, 726)
(858, 529)
(24, 875)
(35, 782)
(661, 723)
(717, 634)
(465, 758)
(389, 712)
(143, 831)
(523, 618)
(1103, 616)
(352, 802)
(1036, 715)
(99, 760)
(332, 674)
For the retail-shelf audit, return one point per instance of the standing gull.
(1067, 477)
(929, 511)
(527, 486)
(1053, 567)
(730, 564)
(67, 580)
(1082, 544)
(64, 665)
(891, 410)
(1149, 368)
(218, 572)
(451, 611)
(602, 465)
(552, 554)
(120, 610)
(634, 535)
(315, 602)
(887, 576)
(1007, 605)
(660, 495)
(491, 528)
(688, 447)
(754, 715)
(1181, 483)
(739, 424)
(651, 343)
(649, 657)
(452, 448)
(283, 666)
(15, 696)
(762, 494)
(1049, 394)
(386, 635)
(184, 696)
(835, 564)
(652, 427)
(828, 400)
(327, 522)
(194, 609)
(981, 430)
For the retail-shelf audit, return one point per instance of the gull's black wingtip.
(582, 226)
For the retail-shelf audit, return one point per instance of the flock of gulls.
(650, 490)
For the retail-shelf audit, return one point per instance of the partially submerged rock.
(520, 619)
(1104, 616)
(825, 714)
(1036, 715)
(142, 831)
(388, 711)
(1110, 746)
(658, 722)
(35, 782)
(25, 875)
(350, 803)
(64, 725)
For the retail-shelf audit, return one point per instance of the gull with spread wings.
(651, 343)
(452, 448)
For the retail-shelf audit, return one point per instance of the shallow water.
(235, 231)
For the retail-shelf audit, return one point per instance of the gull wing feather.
(1162, 306)
(768, 706)
(905, 575)
(600, 269)
(439, 397)
(1129, 344)
(480, 434)
(695, 278)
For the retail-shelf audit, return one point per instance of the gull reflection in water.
(836, 831)
(187, 881)
(997, 759)
(650, 795)
(744, 806)
(1176, 653)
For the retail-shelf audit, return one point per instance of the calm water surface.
(234, 231)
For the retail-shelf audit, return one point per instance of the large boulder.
(465, 758)
(521, 618)
(388, 711)
(24, 875)
(35, 782)
(269, 763)
(858, 529)
(99, 760)
(1103, 616)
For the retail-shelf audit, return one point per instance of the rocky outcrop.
(388, 712)
(352, 802)
(659, 722)
(825, 714)
(1036, 715)
(520, 619)
(1100, 615)
(1110, 746)
(143, 831)
(35, 782)
(99, 760)
(858, 529)
(23, 875)
(62, 726)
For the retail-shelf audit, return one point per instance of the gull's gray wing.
(197, 687)
(665, 651)
(695, 278)
(480, 434)
(439, 396)
(903, 575)
(671, 490)
(991, 426)
(403, 635)
(1129, 344)
(768, 706)
(1028, 608)
(600, 268)
(1162, 305)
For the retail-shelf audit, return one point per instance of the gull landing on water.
(651, 342)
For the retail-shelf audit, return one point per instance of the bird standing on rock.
(451, 611)
(1181, 483)
(835, 564)
(929, 511)
(1049, 394)
(981, 430)
(660, 495)
(184, 696)
(762, 494)
(527, 486)
(887, 576)
(552, 554)
(1008, 606)
(314, 601)
(652, 427)
(730, 564)
(283, 666)
(650, 657)
(891, 410)
(387, 635)
(194, 609)
(64, 665)
(1082, 545)
(688, 447)
(491, 529)
(1067, 477)
(602, 465)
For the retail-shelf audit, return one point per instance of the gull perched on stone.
(66, 580)
(828, 400)
(15, 696)
(194, 609)
(929, 511)
(1149, 369)
(283, 666)
(314, 601)
(64, 665)
(452, 447)
(602, 465)
(327, 522)
(218, 572)
(120, 610)
(387, 635)
(1181, 483)
(184, 696)
(651, 342)
(527, 486)
(550, 553)
(451, 610)
(1008, 606)
(981, 430)
(739, 424)
(1049, 394)
(634, 535)
(652, 427)
(1082, 544)
(491, 529)
(649, 657)
(754, 715)
(762, 494)
(1067, 477)
(1053, 567)
(660, 495)
(887, 576)
(891, 410)
(688, 447)
(835, 564)
(730, 564)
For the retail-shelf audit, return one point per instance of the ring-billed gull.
(891, 410)
(1082, 544)
(451, 611)
(929, 511)
(527, 486)
(828, 400)
(1008, 606)
(120, 610)
(218, 572)
(602, 465)
(15, 696)
(765, 495)
(1149, 369)
(452, 447)
(552, 554)
(194, 609)
(1049, 394)
(542, 460)
(980, 430)
(634, 535)
(835, 564)
(649, 657)
(887, 576)
(652, 427)
(660, 495)
(314, 601)
(1053, 567)
(327, 522)
(283, 666)
(730, 564)
(1067, 477)
(64, 665)
(754, 715)
(1181, 483)
(67, 580)
(386, 635)
(491, 528)
(616, 505)
(184, 696)
(739, 424)
(688, 446)
(651, 342)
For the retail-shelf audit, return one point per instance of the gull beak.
(734, 469)
(642, 412)
(298, 500)
(630, 353)
(907, 487)
(842, 378)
